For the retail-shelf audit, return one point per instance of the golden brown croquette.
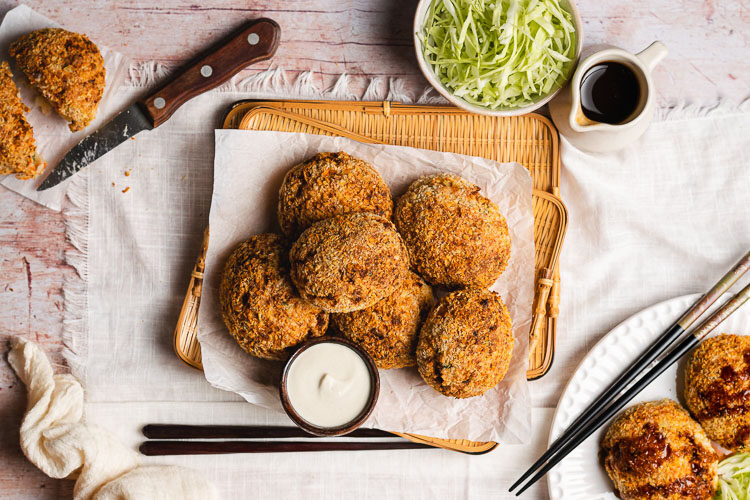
(17, 147)
(389, 330)
(348, 262)
(259, 304)
(717, 389)
(466, 343)
(456, 237)
(656, 451)
(66, 68)
(330, 184)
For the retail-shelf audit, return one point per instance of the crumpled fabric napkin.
(54, 438)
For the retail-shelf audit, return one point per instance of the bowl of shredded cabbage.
(497, 57)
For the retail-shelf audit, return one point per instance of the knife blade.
(256, 41)
(123, 126)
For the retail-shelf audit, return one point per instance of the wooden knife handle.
(256, 41)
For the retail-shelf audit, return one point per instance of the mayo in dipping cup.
(329, 386)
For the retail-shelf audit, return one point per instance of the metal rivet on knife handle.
(207, 71)
(225, 59)
(159, 103)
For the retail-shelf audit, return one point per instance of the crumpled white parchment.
(248, 170)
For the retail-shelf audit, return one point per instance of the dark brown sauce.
(697, 485)
(730, 395)
(642, 454)
(693, 487)
(609, 93)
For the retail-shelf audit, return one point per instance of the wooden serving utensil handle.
(256, 41)
(154, 448)
(543, 287)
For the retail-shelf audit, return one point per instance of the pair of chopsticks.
(613, 399)
(168, 439)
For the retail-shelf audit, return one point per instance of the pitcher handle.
(653, 54)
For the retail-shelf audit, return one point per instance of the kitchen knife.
(256, 41)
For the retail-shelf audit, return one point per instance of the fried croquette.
(656, 451)
(17, 147)
(389, 330)
(466, 343)
(330, 184)
(717, 389)
(348, 262)
(456, 237)
(66, 68)
(259, 304)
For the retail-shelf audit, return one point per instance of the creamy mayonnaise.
(328, 384)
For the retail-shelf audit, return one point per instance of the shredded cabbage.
(499, 53)
(734, 478)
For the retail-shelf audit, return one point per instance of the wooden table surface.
(708, 42)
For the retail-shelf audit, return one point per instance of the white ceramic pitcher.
(592, 136)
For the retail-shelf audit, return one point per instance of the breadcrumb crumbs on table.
(126, 189)
(127, 173)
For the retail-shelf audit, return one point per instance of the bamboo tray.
(531, 140)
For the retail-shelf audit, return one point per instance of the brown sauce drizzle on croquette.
(642, 454)
(694, 486)
(722, 396)
(691, 487)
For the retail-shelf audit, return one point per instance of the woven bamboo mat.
(530, 140)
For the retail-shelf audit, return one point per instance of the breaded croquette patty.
(656, 451)
(456, 237)
(466, 343)
(348, 262)
(259, 305)
(389, 330)
(330, 184)
(66, 68)
(717, 389)
(17, 148)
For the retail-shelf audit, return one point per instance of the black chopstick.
(178, 431)
(152, 448)
(674, 355)
(657, 348)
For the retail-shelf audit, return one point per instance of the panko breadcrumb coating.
(717, 389)
(17, 148)
(259, 304)
(330, 184)
(66, 68)
(656, 451)
(466, 343)
(389, 330)
(348, 262)
(456, 237)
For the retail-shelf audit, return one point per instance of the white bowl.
(429, 73)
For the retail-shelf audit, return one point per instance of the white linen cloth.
(56, 440)
(665, 217)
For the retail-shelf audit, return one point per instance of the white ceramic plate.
(579, 475)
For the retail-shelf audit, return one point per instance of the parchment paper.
(248, 169)
(53, 137)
